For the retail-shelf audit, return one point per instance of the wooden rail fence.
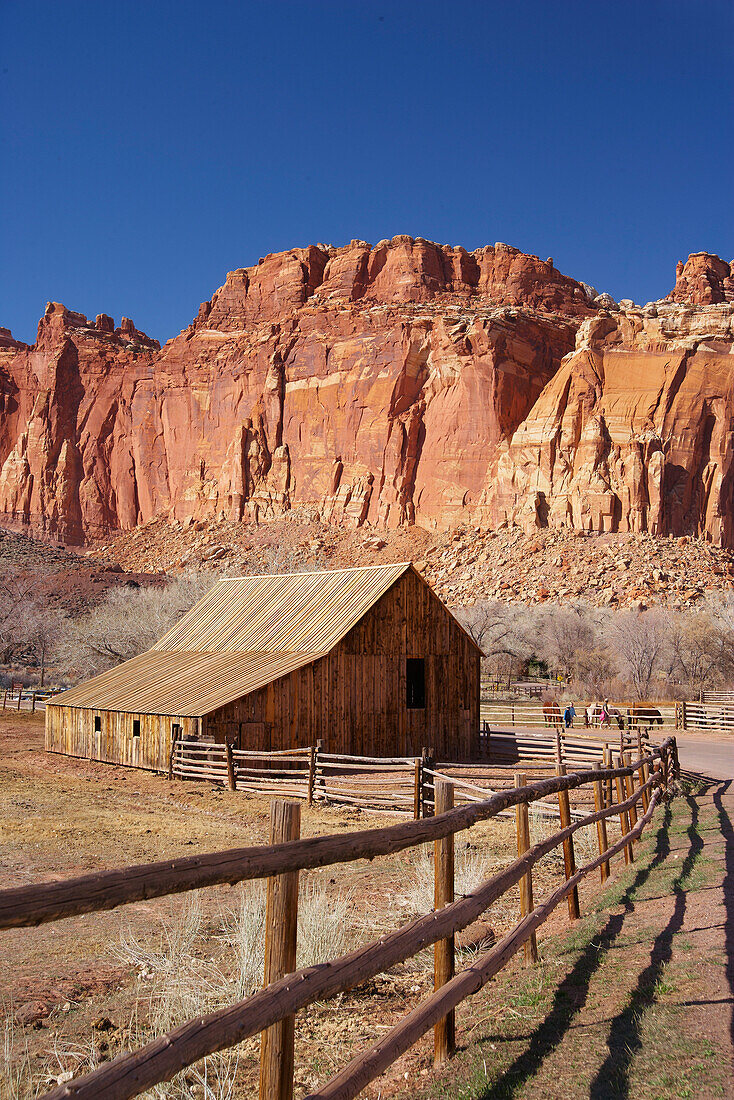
(662, 717)
(387, 784)
(715, 715)
(20, 698)
(271, 1011)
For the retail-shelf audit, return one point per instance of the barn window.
(415, 683)
(97, 724)
(136, 727)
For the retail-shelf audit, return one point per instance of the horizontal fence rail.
(638, 783)
(392, 784)
(714, 716)
(664, 717)
(32, 699)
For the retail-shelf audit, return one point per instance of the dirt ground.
(78, 990)
(60, 816)
(638, 1000)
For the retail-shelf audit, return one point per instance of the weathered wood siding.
(70, 730)
(354, 699)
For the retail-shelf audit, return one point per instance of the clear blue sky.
(148, 148)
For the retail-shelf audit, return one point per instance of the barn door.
(233, 734)
(255, 735)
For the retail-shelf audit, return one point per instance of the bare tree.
(43, 629)
(16, 607)
(702, 648)
(501, 632)
(126, 623)
(564, 634)
(640, 639)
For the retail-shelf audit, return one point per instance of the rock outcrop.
(403, 383)
(703, 280)
(633, 433)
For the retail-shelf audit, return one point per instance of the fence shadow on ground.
(612, 1078)
(727, 831)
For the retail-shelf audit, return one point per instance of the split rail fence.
(631, 790)
(390, 784)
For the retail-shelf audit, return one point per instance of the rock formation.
(703, 280)
(633, 433)
(403, 383)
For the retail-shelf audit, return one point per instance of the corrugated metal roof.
(281, 614)
(243, 634)
(184, 683)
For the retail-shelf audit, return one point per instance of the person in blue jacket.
(568, 715)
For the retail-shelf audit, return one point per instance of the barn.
(369, 661)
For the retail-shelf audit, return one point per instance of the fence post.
(20, 694)
(33, 703)
(522, 820)
(281, 924)
(642, 774)
(630, 788)
(231, 780)
(559, 748)
(174, 739)
(683, 715)
(623, 818)
(664, 760)
(311, 772)
(601, 825)
(318, 779)
(428, 763)
(417, 789)
(444, 1032)
(569, 858)
(608, 763)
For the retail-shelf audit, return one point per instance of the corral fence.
(714, 697)
(535, 686)
(663, 717)
(16, 697)
(400, 784)
(713, 716)
(629, 791)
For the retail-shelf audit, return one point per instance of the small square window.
(136, 727)
(415, 683)
(97, 724)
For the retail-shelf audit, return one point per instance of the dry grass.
(471, 869)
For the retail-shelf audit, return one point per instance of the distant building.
(369, 661)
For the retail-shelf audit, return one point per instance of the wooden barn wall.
(70, 730)
(354, 699)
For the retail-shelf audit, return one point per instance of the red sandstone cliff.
(633, 433)
(403, 383)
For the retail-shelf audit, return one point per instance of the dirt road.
(706, 757)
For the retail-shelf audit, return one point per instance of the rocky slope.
(464, 564)
(406, 383)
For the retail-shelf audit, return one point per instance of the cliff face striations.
(403, 383)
